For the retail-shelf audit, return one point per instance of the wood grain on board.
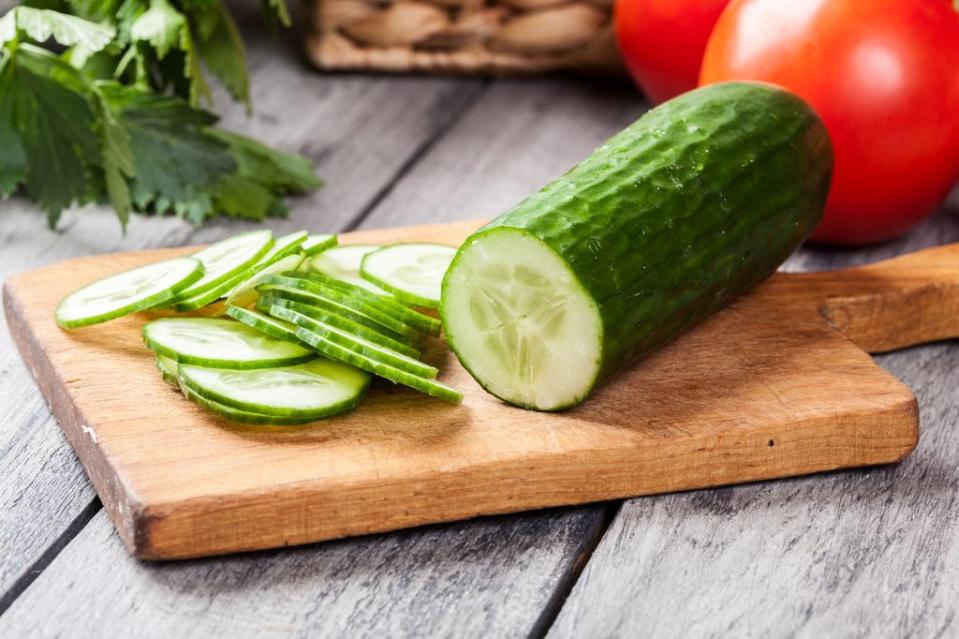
(738, 399)
(354, 126)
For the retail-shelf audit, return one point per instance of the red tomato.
(884, 77)
(662, 42)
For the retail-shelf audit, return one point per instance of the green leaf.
(192, 72)
(278, 171)
(243, 198)
(56, 126)
(220, 46)
(161, 25)
(176, 161)
(276, 10)
(42, 24)
(118, 164)
(13, 161)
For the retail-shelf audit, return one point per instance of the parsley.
(100, 102)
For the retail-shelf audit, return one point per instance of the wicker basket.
(464, 36)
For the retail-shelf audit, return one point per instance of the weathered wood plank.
(491, 577)
(519, 136)
(858, 553)
(484, 578)
(360, 133)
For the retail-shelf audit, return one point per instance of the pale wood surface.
(899, 572)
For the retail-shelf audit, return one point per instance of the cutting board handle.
(908, 300)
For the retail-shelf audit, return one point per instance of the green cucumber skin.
(692, 205)
(419, 321)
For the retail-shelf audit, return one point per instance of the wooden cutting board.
(778, 384)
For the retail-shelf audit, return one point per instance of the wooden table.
(859, 553)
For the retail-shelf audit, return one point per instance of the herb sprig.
(100, 102)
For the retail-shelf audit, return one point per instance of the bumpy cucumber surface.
(699, 200)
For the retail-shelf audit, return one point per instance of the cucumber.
(343, 263)
(128, 292)
(340, 322)
(269, 293)
(340, 297)
(699, 200)
(227, 259)
(389, 305)
(244, 293)
(335, 351)
(318, 243)
(220, 343)
(269, 326)
(168, 370)
(283, 247)
(314, 390)
(242, 416)
(210, 295)
(412, 272)
(364, 347)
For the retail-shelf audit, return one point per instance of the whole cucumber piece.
(692, 205)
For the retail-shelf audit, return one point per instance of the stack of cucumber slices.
(281, 330)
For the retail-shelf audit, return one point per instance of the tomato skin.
(662, 42)
(884, 77)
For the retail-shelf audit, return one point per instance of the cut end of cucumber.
(520, 322)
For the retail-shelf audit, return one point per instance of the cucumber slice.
(318, 243)
(424, 323)
(207, 297)
(521, 323)
(242, 416)
(269, 293)
(282, 247)
(413, 272)
(357, 344)
(168, 370)
(244, 293)
(270, 326)
(343, 263)
(313, 390)
(127, 292)
(220, 343)
(341, 298)
(227, 259)
(343, 323)
(331, 349)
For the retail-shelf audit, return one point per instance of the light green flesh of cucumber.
(282, 247)
(127, 292)
(428, 386)
(315, 389)
(412, 272)
(276, 328)
(318, 243)
(366, 348)
(220, 343)
(340, 322)
(514, 312)
(225, 260)
(245, 292)
(343, 263)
